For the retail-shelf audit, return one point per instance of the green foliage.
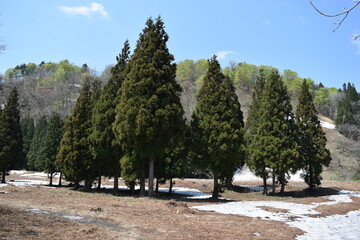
(313, 152)
(274, 141)
(346, 110)
(34, 161)
(74, 157)
(149, 116)
(254, 160)
(103, 145)
(51, 144)
(325, 101)
(216, 128)
(11, 143)
(27, 128)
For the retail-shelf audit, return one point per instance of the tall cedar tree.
(149, 116)
(11, 152)
(254, 160)
(217, 126)
(275, 137)
(51, 144)
(34, 160)
(104, 147)
(74, 157)
(313, 152)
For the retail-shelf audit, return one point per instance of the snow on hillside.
(327, 125)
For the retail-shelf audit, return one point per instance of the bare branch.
(339, 22)
(337, 14)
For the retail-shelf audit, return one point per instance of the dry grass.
(162, 217)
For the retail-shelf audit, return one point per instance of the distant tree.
(275, 136)
(51, 144)
(27, 127)
(74, 157)
(34, 161)
(149, 116)
(217, 126)
(312, 140)
(11, 143)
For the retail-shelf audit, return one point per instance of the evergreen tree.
(313, 152)
(149, 116)
(217, 126)
(50, 145)
(34, 161)
(11, 152)
(254, 160)
(27, 128)
(345, 108)
(275, 137)
(74, 157)
(106, 151)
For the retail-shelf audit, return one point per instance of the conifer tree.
(217, 126)
(51, 144)
(27, 128)
(313, 152)
(254, 160)
(74, 157)
(11, 152)
(149, 116)
(106, 151)
(34, 161)
(275, 136)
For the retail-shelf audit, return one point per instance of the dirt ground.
(102, 215)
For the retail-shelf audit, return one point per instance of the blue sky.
(287, 34)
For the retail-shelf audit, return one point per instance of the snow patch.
(25, 183)
(17, 172)
(297, 215)
(327, 125)
(245, 174)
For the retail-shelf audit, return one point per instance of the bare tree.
(343, 14)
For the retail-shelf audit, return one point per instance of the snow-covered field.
(327, 125)
(299, 216)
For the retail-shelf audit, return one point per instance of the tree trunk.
(216, 186)
(142, 180)
(311, 182)
(77, 185)
(116, 182)
(157, 185)
(132, 188)
(171, 186)
(151, 177)
(282, 190)
(265, 186)
(3, 176)
(60, 180)
(273, 182)
(229, 184)
(51, 179)
(99, 181)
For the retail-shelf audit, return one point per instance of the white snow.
(25, 183)
(17, 172)
(327, 125)
(297, 215)
(245, 174)
(35, 175)
(3, 185)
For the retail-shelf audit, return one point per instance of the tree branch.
(339, 22)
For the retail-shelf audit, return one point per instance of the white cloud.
(94, 8)
(223, 54)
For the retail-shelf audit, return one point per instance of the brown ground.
(124, 217)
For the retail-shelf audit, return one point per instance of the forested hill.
(53, 87)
